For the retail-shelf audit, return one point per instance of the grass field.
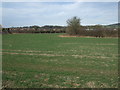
(49, 61)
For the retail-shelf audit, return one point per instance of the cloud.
(60, 0)
(24, 13)
(0, 13)
(96, 0)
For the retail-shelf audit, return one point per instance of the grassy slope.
(60, 62)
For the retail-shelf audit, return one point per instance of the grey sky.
(56, 13)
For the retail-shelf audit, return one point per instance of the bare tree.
(73, 26)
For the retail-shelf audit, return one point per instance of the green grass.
(49, 61)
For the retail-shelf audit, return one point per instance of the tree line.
(73, 27)
(34, 29)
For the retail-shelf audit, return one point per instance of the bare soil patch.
(20, 52)
(74, 36)
(30, 54)
(24, 50)
(84, 36)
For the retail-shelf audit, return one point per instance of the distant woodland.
(94, 30)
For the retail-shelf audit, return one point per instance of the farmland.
(49, 61)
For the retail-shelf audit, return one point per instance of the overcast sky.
(56, 13)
